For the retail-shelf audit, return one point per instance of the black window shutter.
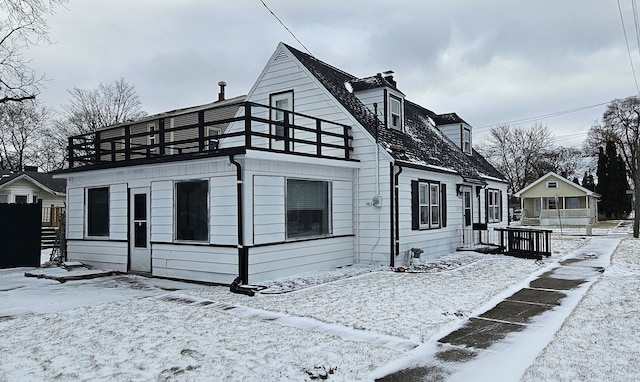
(415, 206)
(486, 206)
(500, 196)
(443, 203)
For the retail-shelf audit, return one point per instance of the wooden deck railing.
(525, 242)
(211, 132)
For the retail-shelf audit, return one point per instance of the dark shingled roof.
(422, 144)
(56, 185)
(374, 82)
(446, 119)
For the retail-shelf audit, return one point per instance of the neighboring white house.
(554, 200)
(315, 169)
(32, 187)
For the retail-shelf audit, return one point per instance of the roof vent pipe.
(222, 84)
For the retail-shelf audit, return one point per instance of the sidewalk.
(498, 344)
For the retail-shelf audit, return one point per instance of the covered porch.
(559, 210)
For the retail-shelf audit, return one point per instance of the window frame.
(493, 205)
(277, 131)
(90, 229)
(23, 197)
(327, 211)
(466, 140)
(211, 143)
(426, 188)
(552, 182)
(177, 216)
(152, 136)
(397, 101)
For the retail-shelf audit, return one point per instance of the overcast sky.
(489, 61)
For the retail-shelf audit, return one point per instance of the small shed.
(555, 200)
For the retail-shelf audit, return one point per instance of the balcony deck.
(216, 131)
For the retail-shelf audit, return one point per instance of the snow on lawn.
(350, 326)
(602, 332)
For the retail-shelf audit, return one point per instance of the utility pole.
(636, 184)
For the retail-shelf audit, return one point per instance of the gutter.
(239, 284)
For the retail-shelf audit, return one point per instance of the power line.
(543, 116)
(624, 30)
(285, 27)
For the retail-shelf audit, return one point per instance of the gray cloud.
(491, 61)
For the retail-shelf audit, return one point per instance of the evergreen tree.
(588, 182)
(612, 182)
(576, 180)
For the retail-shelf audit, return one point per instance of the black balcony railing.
(210, 132)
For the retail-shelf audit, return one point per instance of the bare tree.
(22, 127)
(23, 25)
(109, 104)
(517, 152)
(89, 110)
(564, 161)
(621, 125)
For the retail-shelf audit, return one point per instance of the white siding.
(162, 211)
(268, 209)
(118, 222)
(223, 210)
(342, 209)
(434, 242)
(200, 263)
(275, 261)
(75, 213)
(102, 254)
(453, 132)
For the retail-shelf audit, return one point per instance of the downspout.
(243, 252)
(394, 209)
(392, 200)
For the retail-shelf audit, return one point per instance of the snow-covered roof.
(422, 144)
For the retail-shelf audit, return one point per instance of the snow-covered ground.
(349, 322)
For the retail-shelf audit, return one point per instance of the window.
(151, 138)
(395, 112)
(552, 184)
(22, 199)
(573, 203)
(98, 211)
(466, 141)
(191, 210)
(281, 102)
(428, 205)
(494, 206)
(552, 203)
(212, 142)
(308, 208)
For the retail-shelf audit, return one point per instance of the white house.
(315, 169)
(32, 186)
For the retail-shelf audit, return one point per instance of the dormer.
(380, 94)
(459, 131)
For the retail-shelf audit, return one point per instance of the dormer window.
(395, 113)
(466, 141)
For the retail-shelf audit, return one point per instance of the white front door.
(139, 246)
(467, 205)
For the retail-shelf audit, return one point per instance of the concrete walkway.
(500, 343)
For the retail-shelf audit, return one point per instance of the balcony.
(216, 131)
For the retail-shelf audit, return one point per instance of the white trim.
(560, 178)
